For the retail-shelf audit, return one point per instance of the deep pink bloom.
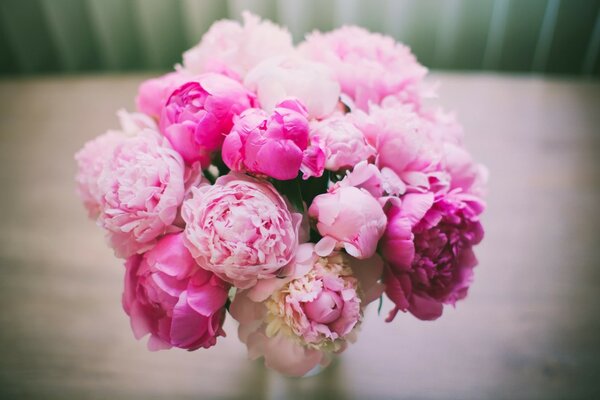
(241, 229)
(142, 186)
(428, 246)
(153, 93)
(348, 217)
(276, 145)
(199, 114)
(169, 297)
(312, 315)
(369, 66)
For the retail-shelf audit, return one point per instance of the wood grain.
(528, 330)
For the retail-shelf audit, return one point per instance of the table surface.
(529, 328)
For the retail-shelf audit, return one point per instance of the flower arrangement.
(287, 187)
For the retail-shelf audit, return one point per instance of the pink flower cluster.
(288, 187)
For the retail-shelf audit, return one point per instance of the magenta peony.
(169, 297)
(199, 114)
(369, 66)
(314, 314)
(275, 145)
(241, 229)
(154, 93)
(428, 246)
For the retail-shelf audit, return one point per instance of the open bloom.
(142, 186)
(276, 145)
(199, 114)
(428, 246)
(403, 143)
(344, 143)
(348, 217)
(279, 78)
(95, 155)
(239, 47)
(369, 66)
(314, 314)
(241, 229)
(169, 297)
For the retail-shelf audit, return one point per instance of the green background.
(543, 36)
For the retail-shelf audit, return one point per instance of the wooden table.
(529, 329)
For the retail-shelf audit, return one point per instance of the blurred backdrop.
(542, 36)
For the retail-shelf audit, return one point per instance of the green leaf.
(380, 305)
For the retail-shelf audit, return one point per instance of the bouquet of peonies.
(288, 187)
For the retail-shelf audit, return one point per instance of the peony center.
(325, 308)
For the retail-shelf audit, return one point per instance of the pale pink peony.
(275, 145)
(344, 143)
(241, 229)
(369, 66)
(91, 160)
(199, 114)
(227, 44)
(169, 297)
(428, 246)
(403, 143)
(279, 78)
(348, 217)
(95, 155)
(154, 93)
(142, 186)
(314, 314)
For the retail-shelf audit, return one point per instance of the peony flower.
(279, 78)
(91, 160)
(94, 156)
(403, 143)
(428, 246)
(227, 44)
(199, 114)
(344, 143)
(275, 145)
(315, 313)
(142, 186)
(369, 66)
(154, 93)
(241, 229)
(350, 217)
(167, 296)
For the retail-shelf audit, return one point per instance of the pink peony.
(350, 217)
(275, 145)
(314, 314)
(279, 78)
(403, 143)
(169, 297)
(154, 93)
(241, 229)
(95, 154)
(428, 246)
(345, 144)
(369, 66)
(199, 114)
(227, 44)
(142, 186)
(91, 160)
